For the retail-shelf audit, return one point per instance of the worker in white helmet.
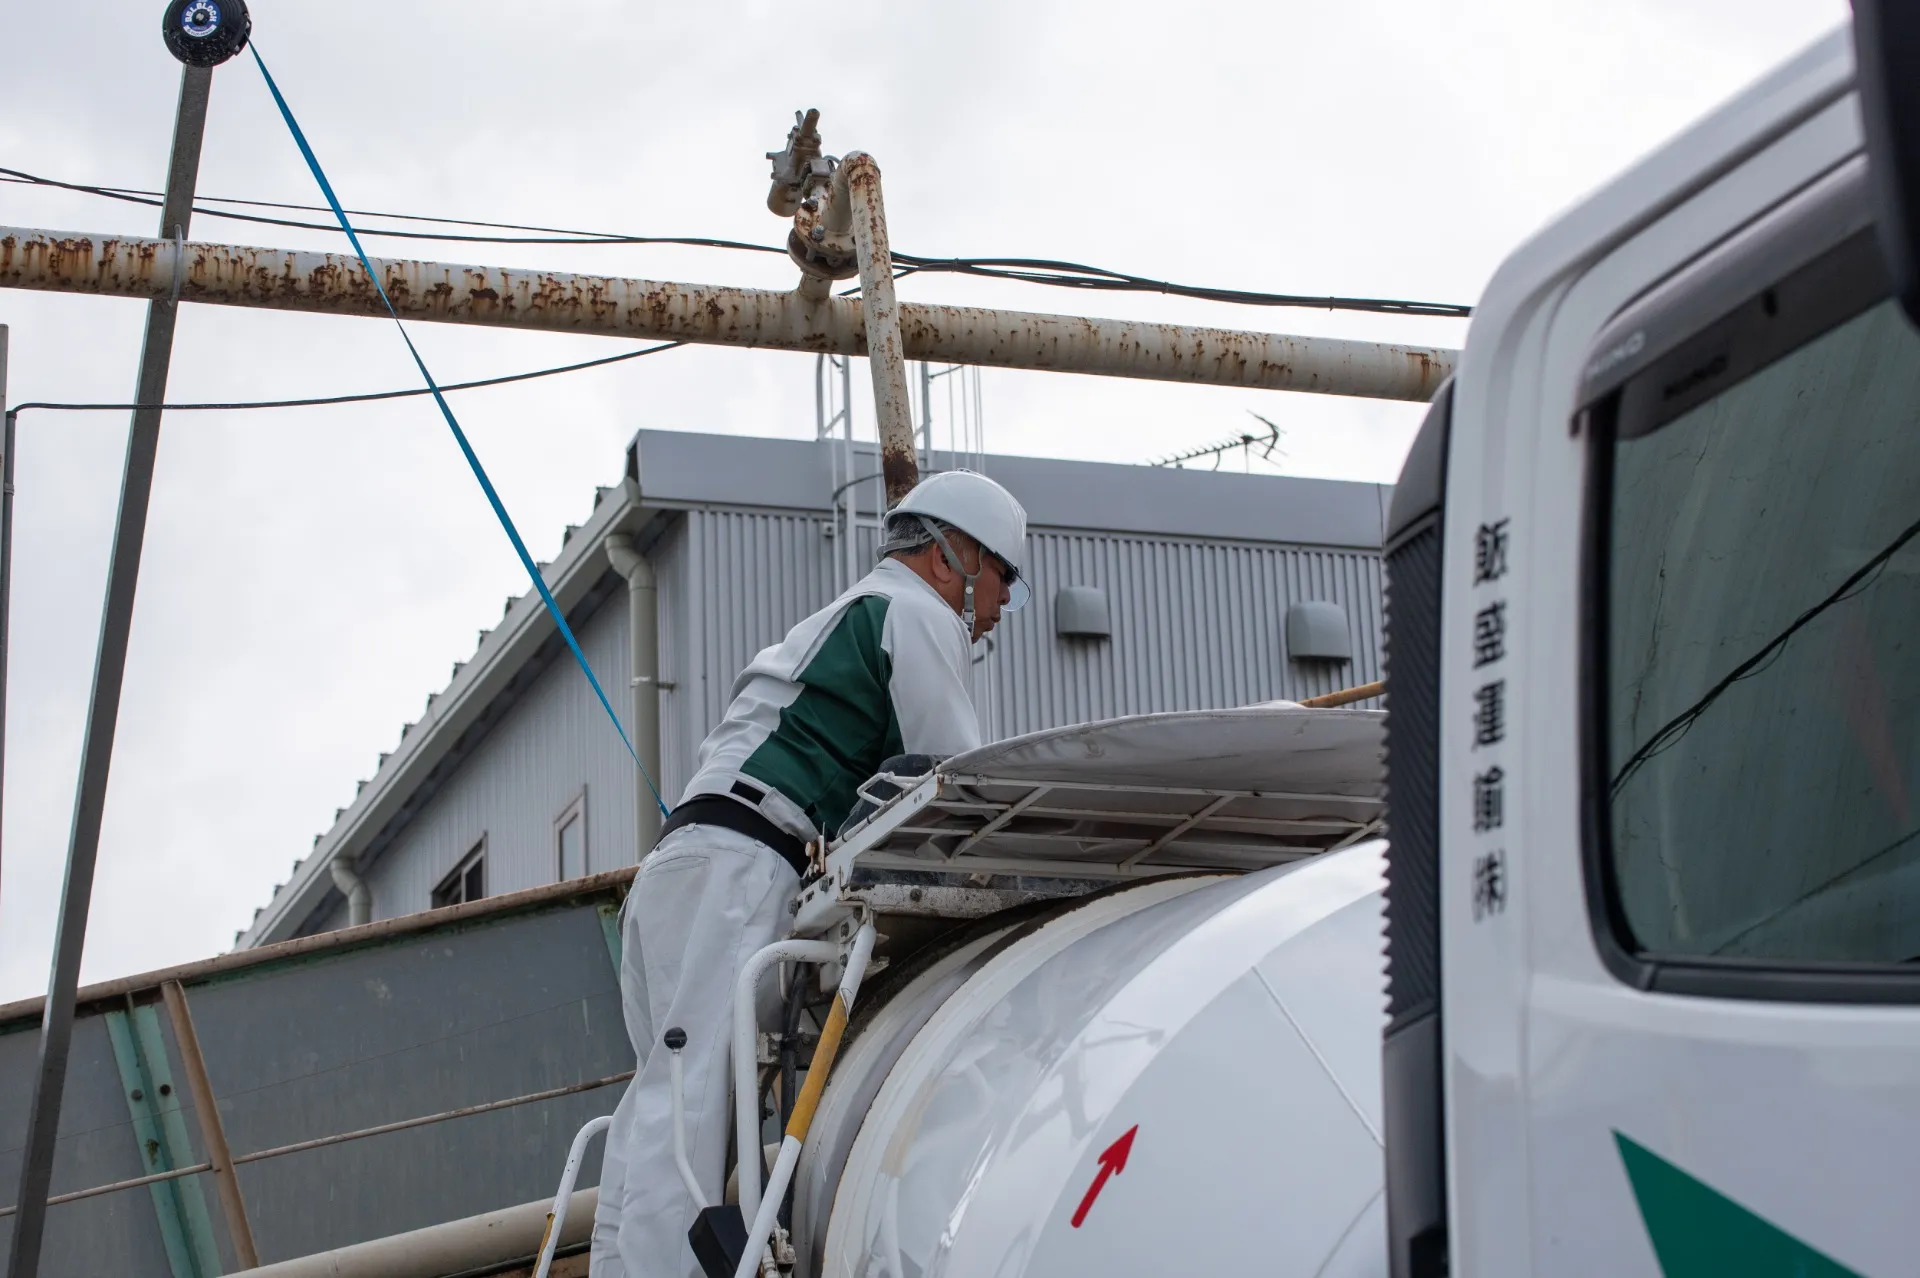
(884, 670)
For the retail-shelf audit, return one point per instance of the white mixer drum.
(1180, 1077)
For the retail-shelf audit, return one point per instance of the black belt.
(731, 814)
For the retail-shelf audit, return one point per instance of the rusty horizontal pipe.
(330, 283)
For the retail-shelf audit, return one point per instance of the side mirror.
(1886, 55)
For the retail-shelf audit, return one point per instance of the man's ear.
(942, 570)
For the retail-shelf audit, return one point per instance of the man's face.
(991, 591)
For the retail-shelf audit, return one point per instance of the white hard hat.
(980, 508)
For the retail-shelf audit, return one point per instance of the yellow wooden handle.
(823, 1055)
(1347, 695)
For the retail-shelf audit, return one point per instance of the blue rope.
(460, 436)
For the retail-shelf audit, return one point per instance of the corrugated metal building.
(1212, 590)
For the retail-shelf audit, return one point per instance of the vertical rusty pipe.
(212, 1135)
(886, 352)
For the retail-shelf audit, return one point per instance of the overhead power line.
(543, 234)
(367, 397)
(1047, 271)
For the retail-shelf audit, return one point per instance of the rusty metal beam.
(330, 283)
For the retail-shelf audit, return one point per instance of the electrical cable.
(459, 435)
(1077, 275)
(1047, 271)
(363, 398)
(548, 234)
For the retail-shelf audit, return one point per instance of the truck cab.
(1654, 742)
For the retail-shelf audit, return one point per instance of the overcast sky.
(311, 575)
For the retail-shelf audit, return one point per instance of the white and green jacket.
(885, 669)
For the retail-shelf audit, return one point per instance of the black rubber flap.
(718, 1237)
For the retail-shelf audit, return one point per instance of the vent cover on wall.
(1317, 631)
(1080, 612)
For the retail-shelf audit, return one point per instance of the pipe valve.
(793, 167)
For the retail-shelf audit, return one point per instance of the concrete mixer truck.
(1104, 981)
(1651, 925)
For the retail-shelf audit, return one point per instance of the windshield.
(1763, 660)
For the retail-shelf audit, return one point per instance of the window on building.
(570, 838)
(468, 882)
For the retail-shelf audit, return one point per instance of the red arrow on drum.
(1113, 1161)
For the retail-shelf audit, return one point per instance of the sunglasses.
(1010, 577)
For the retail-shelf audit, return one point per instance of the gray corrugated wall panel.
(1197, 624)
(710, 471)
(731, 582)
(521, 776)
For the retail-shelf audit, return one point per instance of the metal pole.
(886, 353)
(6, 563)
(110, 660)
(440, 292)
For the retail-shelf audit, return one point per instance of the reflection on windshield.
(1763, 699)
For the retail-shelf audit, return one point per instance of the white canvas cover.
(1239, 789)
(1277, 745)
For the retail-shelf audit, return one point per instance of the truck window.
(1760, 796)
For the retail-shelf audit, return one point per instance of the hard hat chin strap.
(953, 561)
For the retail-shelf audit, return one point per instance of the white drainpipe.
(359, 895)
(643, 627)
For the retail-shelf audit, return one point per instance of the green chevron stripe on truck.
(1698, 1232)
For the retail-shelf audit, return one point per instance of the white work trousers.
(704, 901)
